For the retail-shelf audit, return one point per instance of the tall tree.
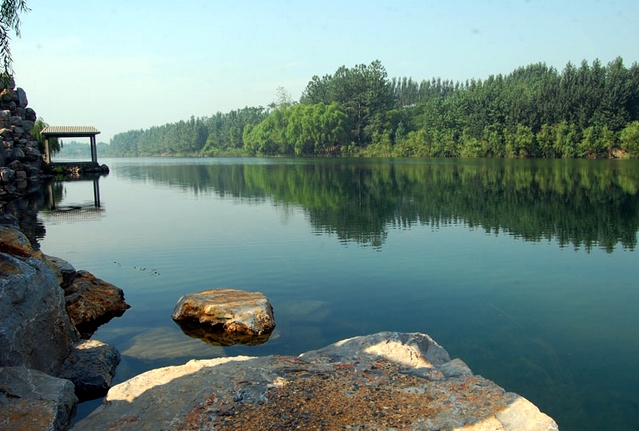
(362, 92)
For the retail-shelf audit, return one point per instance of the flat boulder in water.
(225, 316)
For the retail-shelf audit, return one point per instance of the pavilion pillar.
(94, 150)
(47, 155)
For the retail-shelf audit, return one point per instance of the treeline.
(589, 111)
(207, 136)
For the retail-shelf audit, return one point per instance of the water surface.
(526, 270)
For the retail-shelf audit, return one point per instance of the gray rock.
(28, 125)
(22, 98)
(15, 154)
(377, 382)
(34, 401)
(7, 174)
(35, 330)
(91, 367)
(30, 114)
(225, 316)
(5, 119)
(8, 95)
(64, 271)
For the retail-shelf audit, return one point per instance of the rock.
(30, 115)
(22, 98)
(225, 316)
(34, 328)
(15, 154)
(14, 242)
(32, 401)
(91, 367)
(28, 125)
(7, 174)
(91, 302)
(9, 95)
(381, 382)
(64, 271)
(5, 119)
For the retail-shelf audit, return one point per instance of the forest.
(536, 111)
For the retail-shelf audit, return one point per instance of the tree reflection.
(574, 202)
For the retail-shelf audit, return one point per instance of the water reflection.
(217, 336)
(581, 203)
(70, 200)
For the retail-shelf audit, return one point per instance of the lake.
(525, 269)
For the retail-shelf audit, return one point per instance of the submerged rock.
(380, 382)
(225, 317)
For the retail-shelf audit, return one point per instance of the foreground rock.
(31, 400)
(378, 382)
(35, 331)
(225, 316)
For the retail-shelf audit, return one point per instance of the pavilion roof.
(69, 131)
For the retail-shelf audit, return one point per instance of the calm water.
(526, 270)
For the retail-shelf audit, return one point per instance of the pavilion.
(70, 132)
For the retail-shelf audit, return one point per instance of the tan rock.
(14, 242)
(92, 302)
(225, 316)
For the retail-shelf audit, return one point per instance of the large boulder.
(92, 302)
(380, 382)
(32, 401)
(225, 316)
(35, 330)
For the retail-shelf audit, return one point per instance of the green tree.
(362, 92)
(545, 139)
(592, 145)
(9, 21)
(629, 139)
(55, 145)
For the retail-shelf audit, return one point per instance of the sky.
(123, 65)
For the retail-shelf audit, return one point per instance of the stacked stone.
(20, 158)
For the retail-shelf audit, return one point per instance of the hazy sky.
(122, 65)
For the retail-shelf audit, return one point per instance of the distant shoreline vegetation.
(586, 111)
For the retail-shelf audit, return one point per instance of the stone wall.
(20, 159)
